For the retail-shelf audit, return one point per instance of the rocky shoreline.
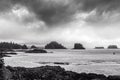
(48, 73)
(52, 73)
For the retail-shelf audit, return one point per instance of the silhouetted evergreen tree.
(11, 45)
(33, 46)
(24, 47)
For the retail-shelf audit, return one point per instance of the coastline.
(53, 73)
(89, 61)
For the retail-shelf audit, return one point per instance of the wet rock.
(54, 73)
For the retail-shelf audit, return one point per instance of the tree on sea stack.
(33, 46)
(24, 47)
(54, 45)
(78, 46)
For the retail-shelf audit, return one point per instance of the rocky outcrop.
(53, 73)
(54, 45)
(99, 47)
(2, 76)
(78, 46)
(36, 51)
(112, 47)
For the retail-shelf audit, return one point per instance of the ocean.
(101, 61)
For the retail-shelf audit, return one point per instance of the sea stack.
(99, 47)
(112, 47)
(78, 46)
(54, 45)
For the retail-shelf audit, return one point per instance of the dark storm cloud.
(49, 11)
(5, 5)
(102, 7)
(54, 12)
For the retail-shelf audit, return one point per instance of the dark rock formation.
(113, 77)
(78, 46)
(54, 45)
(36, 51)
(53, 73)
(99, 47)
(1, 70)
(61, 63)
(112, 47)
(3, 53)
(12, 53)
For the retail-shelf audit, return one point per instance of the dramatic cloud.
(82, 20)
(49, 11)
(54, 12)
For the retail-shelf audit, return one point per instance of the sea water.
(101, 61)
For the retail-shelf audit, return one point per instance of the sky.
(90, 22)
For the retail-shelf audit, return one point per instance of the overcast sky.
(90, 22)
